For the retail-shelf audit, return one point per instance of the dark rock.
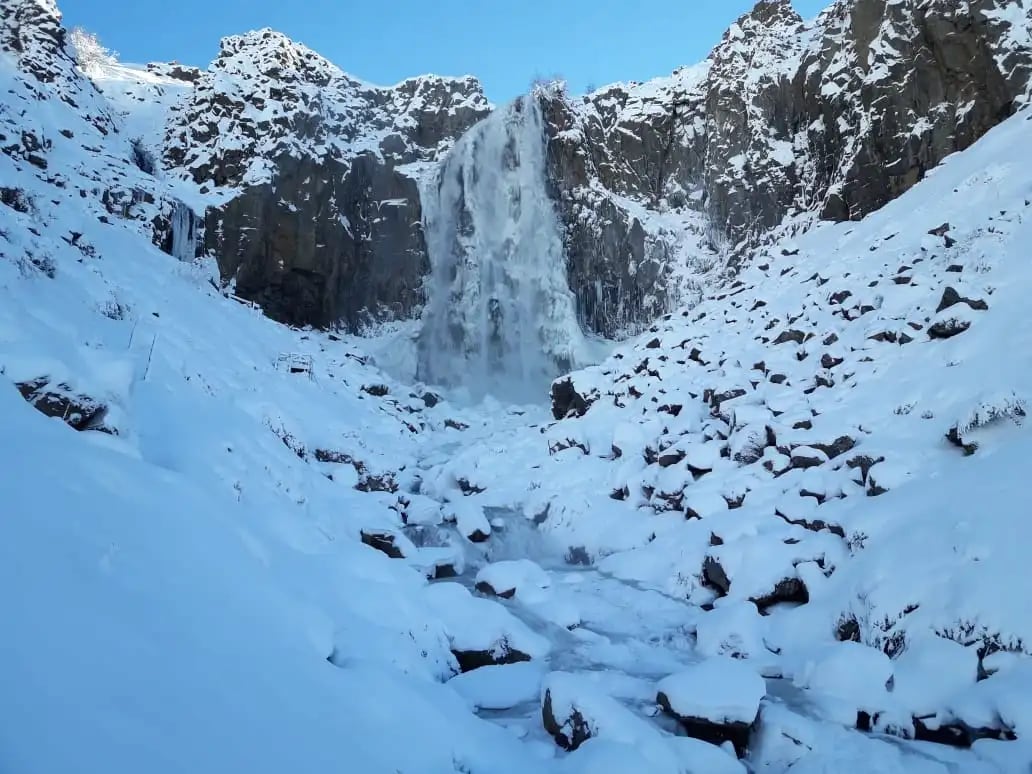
(886, 337)
(813, 525)
(475, 659)
(430, 399)
(376, 483)
(795, 336)
(384, 542)
(467, 488)
(839, 446)
(802, 460)
(80, 412)
(569, 734)
(376, 390)
(443, 571)
(566, 401)
(738, 734)
(714, 577)
(487, 589)
(791, 590)
(715, 399)
(334, 457)
(478, 536)
(15, 198)
(947, 329)
(578, 555)
(848, 630)
(670, 459)
(951, 297)
(956, 734)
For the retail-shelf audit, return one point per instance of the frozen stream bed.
(612, 640)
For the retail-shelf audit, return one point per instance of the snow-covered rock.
(481, 631)
(517, 577)
(500, 686)
(575, 710)
(716, 700)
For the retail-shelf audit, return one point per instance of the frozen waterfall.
(184, 232)
(500, 317)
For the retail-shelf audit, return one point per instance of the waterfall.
(184, 232)
(500, 317)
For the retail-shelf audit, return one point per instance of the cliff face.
(314, 182)
(323, 218)
(785, 122)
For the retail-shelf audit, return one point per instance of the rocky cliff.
(785, 122)
(311, 184)
(323, 219)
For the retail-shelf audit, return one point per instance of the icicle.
(184, 232)
(500, 317)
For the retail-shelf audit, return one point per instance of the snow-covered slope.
(826, 457)
(185, 486)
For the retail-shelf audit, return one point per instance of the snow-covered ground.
(256, 551)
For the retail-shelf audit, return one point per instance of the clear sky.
(506, 43)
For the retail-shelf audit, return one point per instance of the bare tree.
(90, 53)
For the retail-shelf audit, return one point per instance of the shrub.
(90, 53)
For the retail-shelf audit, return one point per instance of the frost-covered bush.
(115, 309)
(90, 53)
(988, 411)
(291, 441)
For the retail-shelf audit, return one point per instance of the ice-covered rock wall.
(500, 316)
(185, 227)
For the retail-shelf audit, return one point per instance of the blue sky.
(505, 43)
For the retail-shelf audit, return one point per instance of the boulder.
(569, 730)
(506, 579)
(503, 653)
(716, 700)
(78, 411)
(566, 401)
(804, 457)
(383, 541)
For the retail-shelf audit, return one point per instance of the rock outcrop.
(784, 122)
(323, 218)
(656, 184)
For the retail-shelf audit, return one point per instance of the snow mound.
(720, 690)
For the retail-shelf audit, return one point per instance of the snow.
(192, 592)
(500, 687)
(475, 624)
(719, 689)
(520, 577)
